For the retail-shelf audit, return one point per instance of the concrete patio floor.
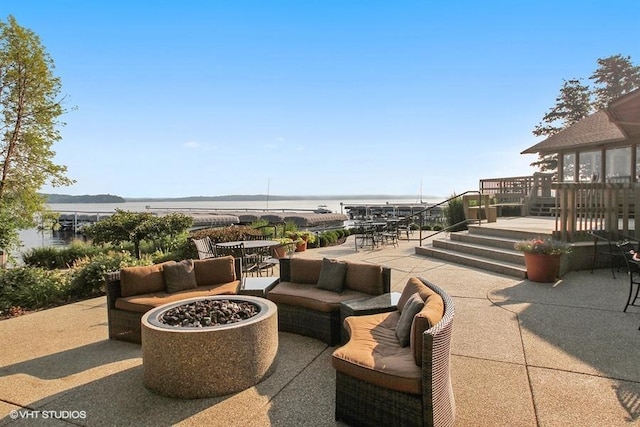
(523, 354)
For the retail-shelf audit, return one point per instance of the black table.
(367, 305)
(257, 286)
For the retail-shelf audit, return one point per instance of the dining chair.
(633, 270)
(250, 263)
(205, 248)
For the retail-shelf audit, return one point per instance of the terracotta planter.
(301, 247)
(280, 251)
(542, 267)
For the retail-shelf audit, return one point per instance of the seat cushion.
(305, 271)
(332, 275)
(430, 314)
(373, 354)
(413, 285)
(179, 276)
(428, 317)
(146, 302)
(366, 278)
(309, 296)
(214, 271)
(142, 280)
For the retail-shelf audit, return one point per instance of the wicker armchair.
(362, 403)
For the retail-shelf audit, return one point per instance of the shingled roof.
(594, 129)
(618, 122)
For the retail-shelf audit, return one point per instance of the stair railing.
(423, 214)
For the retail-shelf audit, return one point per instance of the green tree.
(572, 104)
(29, 112)
(134, 227)
(615, 76)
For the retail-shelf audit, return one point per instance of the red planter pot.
(302, 246)
(281, 251)
(542, 267)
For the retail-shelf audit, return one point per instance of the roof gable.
(594, 129)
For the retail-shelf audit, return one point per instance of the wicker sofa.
(133, 291)
(305, 309)
(381, 382)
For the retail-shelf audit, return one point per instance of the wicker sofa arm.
(439, 406)
(113, 290)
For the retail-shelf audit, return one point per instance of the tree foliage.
(572, 105)
(615, 76)
(29, 112)
(134, 227)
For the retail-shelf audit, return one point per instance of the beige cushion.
(365, 278)
(146, 302)
(413, 285)
(428, 317)
(309, 296)
(332, 275)
(179, 276)
(305, 271)
(403, 328)
(373, 354)
(142, 280)
(213, 271)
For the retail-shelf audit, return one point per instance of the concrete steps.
(483, 247)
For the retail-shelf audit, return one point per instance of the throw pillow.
(403, 328)
(332, 275)
(180, 276)
(142, 280)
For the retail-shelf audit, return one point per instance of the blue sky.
(312, 97)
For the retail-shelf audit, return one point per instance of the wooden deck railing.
(581, 207)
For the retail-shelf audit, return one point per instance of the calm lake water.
(38, 238)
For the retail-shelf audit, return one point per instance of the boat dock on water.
(389, 210)
(205, 218)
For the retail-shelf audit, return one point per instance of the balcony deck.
(523, 354)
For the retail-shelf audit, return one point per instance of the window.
(590, 162)
(568, 166)
(618, 165)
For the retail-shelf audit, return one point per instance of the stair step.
(478, 239)
(502, 267)
(506, 233)
(493, 253)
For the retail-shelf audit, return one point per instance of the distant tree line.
(98, 198)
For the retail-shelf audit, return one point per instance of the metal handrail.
(446, 229)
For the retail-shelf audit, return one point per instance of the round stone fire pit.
(208, 361)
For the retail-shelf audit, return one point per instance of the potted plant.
(298, 238)
(542, 258)
(285, 247)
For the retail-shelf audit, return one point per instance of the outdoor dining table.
(250, 244)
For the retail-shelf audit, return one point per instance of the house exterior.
(598, 178)
(603, 147)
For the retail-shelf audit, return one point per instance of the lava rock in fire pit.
(209, 313)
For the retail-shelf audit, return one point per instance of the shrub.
(31, 288)
(51, 258)
(88, 273)
(426, 227)
(323, 240)
(454, 214)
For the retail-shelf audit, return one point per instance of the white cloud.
(192, 144)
